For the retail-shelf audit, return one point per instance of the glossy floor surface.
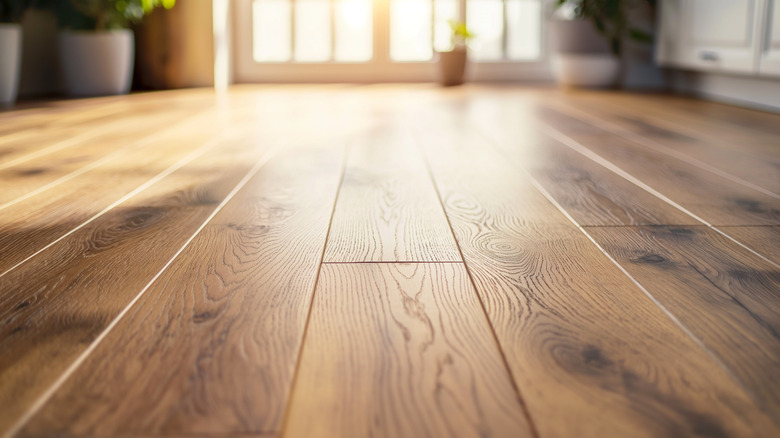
(389, 261)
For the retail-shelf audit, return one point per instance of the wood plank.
(715, 199)
(743, 130)
(51, 115)
(387, 208)
(722, 293)
(30, 225)
(210, 348)
(764, 240)
(130, 114)
(46, 172)
(583, 342)
(590, 193)
(401, 350)
(762, 170)
(53, 306)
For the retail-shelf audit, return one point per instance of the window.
(385, 36)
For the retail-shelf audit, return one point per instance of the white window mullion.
(504, 32)
(332, 30)
(293, 45)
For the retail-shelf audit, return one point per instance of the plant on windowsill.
(96, 45)
(452, 63)
(587, 39)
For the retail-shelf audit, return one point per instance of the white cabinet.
(730, 36)
(769, 50)
(712, 35)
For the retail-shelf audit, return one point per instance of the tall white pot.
(581, 57)
(10, 61)
(97, 63)
(586, 70)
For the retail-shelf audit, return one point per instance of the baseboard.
(747, 91)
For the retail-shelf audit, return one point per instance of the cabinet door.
(720, 35)
(669, 50)
(770, 44)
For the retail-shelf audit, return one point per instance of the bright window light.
(444, 11)
(485, 18)
(523, 30)
(410, 30)
(354, 41)
(312, 30)
(271, 30)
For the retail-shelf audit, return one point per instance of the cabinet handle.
(708, 56)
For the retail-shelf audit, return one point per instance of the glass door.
(382, 40)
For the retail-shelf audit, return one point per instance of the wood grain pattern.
(717, 200)
(762, 170)
(30, 225)
(387, 208)
(729, 126)
(211, 347)
(107, 130)
(764, 240)
(722, 293)
(31, 176)
(401, 350)
(584, 343)
(537, 333)
(52, 308)
(746, 129)
(49, 116)
(590, 194)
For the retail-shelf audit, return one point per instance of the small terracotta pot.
(452, 66)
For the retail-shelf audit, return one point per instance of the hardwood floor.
(389, 260)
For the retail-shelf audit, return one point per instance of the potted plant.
(587, 39)
(452, 63)
(96, 46)
(10, 48)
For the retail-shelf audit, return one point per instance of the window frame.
(380, 68)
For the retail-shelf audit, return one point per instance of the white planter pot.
(10, 61)
(97, 63)
(586, 70)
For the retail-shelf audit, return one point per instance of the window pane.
(271, 29)
(410, 30)
(444, 11)
(312, 30)
(353, 30)
(523, 29)
(485, 18)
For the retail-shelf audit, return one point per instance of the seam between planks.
(44, 398)
(56, 146)
(661, 148)
(504, 360)
(651, 226)
(647, 293)
(538, 186)
(169, 170)
(107, 158)
(54, 119)
(296, 371)
(588, 153)
(391, 262)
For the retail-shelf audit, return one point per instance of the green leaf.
(640, 36)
